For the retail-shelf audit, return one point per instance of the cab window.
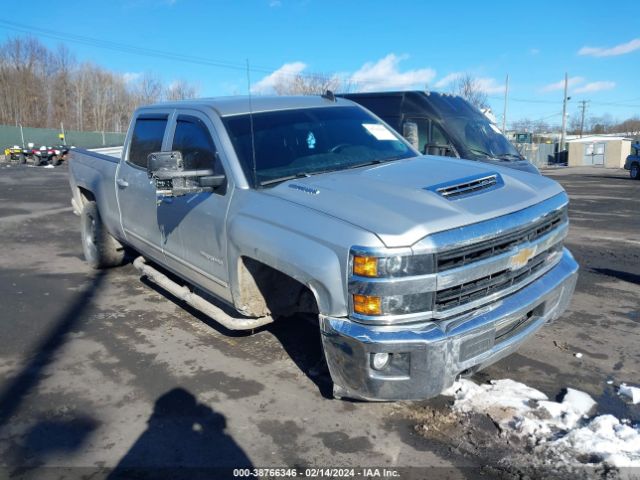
(431, 139)
(193, 140)
(147, 136)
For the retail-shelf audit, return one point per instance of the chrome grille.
(482, 287)
(479, 251)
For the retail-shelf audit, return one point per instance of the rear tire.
(54, 161)
(100, 249)
(634, 171)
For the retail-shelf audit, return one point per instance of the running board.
(196, 301)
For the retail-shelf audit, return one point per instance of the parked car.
(443, 124)
(632, 162)
(418, 268)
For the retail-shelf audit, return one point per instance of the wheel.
(634, 171)
(22, 159)
(101, 250)
(54, 161)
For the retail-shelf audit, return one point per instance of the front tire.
(634, 171)
(100, 249)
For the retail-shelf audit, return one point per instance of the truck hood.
(397, 201)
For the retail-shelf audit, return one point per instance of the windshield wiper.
(482, 152)
(271, 181)
(498, 156)
(365, 164)
(504, 156)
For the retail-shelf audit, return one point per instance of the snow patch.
(562, 429)
(632, 392)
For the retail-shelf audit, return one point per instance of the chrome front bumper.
(425, 359)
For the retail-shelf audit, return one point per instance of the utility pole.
(563, 135)
(583, 107)
(504, 113)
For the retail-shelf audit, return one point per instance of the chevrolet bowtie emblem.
(521, 258)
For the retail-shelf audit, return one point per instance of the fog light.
(367, 305)
(380, 360)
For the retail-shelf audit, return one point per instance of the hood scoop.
(465, 187)
(304, 188)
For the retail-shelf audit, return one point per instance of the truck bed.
(95, 171)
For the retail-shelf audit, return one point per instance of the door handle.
(122, 183)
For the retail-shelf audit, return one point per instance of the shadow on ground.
(44, 353)
(619, 274)
(183, 439)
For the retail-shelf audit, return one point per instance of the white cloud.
(275, 3)
(572, 81)
(284, 73)
(130, 77)
(595, 87)
(609, 52)
(448, 79)
(485, 84)
(489, 85)
(385, 75)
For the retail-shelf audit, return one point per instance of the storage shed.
(599, 151)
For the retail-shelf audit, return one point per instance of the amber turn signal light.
(365, 266)
(366, 305)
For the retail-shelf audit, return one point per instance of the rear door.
(136, 193)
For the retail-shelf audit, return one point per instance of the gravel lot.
(100, 372)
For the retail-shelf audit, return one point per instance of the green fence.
(11, 135)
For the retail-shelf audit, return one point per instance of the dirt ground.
(101, 375)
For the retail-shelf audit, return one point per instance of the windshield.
(481, 138)
(304, 142)
(470, 130)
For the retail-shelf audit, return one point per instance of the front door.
(135, 192)
(193, 226)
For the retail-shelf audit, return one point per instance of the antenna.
(253, 142)
(329, 95)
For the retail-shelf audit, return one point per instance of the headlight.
(391, 266)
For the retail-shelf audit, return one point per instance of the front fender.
(307, 245)
(295, 255)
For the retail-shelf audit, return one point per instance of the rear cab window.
(147, 136)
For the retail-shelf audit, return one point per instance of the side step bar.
(197, 302)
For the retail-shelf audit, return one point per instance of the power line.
(147, 52)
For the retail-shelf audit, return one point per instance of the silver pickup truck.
(419, 268)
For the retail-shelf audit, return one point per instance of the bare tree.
(469, 88)
(180, 90)
(315, 84)
(42, 88)
(630, 127)
(148, 89)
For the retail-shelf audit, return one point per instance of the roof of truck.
(239, 105)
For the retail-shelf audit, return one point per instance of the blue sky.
(375, 44)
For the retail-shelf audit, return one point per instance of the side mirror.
(160, 164)
(166, 170)
(410, 132)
